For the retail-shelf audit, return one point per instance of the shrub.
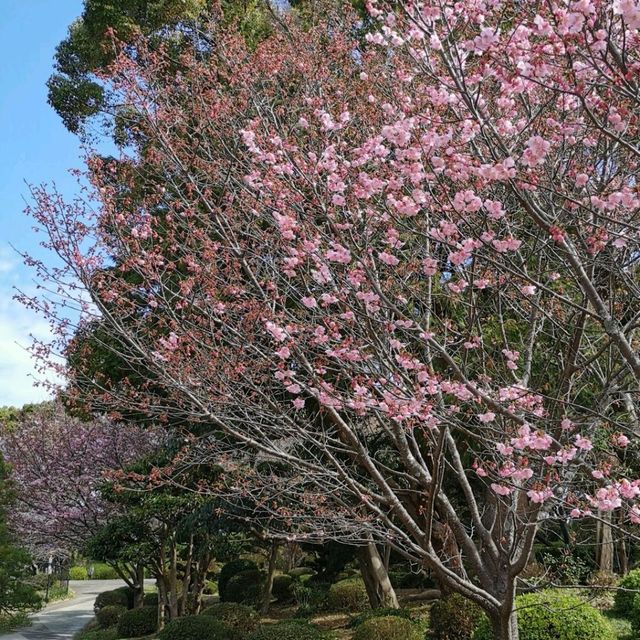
(231, 569)
(287, 630)
(110, 615)
(348, 595)
(196, 628)
(108, 598)
(454, 618)
(78, 573)
(634, 615)
(298, 572)
(102, 571)
(379, 613)
(150, 599)
(210, 588)
(623, 600)
(238, 617)
(138, 622)
(388, 628)
(97, 634)
(245, 587)
(550, 615)
(282, 589)
(310, 597)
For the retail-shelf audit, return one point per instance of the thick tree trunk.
(138, 587)
(376, 579)
(271, 570)
(605, 545)
(505, 625)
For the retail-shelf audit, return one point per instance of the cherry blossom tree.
(58, 464)
(392, 264)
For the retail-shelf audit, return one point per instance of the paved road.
(60, 620)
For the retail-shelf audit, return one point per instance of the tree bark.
(505, 625)
(376, 579)
(271, 570)
(138, 587)
(605, 545)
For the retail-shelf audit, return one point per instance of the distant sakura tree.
(393, 264)
(58, 464)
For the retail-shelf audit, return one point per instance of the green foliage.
(348, 595)
(211, 588)
(311, 597)
(553, 615)
(78, 573)
(287, 630)
(388, 628)
(102, 571)
(109, 598)
(110, 615)
(628, 587)
(196, 628)
(245, 587)
(229, 570)
(566, 567)
(379, 613)
(238, 617)
(138, 622)
(298, 572)
(454, 618)
(16, 594)
(634, 615)
(97, 634)
(150, 599)
(282, 589)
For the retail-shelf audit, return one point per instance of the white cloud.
(18, 373)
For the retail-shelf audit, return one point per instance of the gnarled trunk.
(376, 579)
(271, 570)
(505, 625)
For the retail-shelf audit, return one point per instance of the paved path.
(60, 620)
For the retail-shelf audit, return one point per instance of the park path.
(60, 620)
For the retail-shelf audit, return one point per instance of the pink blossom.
(528, 290)
(388, 258)
(489, 416)
(309, 302)
(583, 443)
(536, 151)
(539, 496)
(501, 489)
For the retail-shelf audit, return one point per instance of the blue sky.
(35, 148)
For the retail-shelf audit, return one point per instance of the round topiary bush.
(388, 628)
(196, 628)
(282, 589)
(379, 613)
(78, 573)
(102, 571)
(138, 622)
(623, 600)
(454, 618)
(245, 587)
(287, 630)
(348, 595)
(231, 569)
(238, 617)
(109, 598)
(298, 572)
(553, 615)
(110, 615)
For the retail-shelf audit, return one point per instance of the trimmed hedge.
(150, 599)
(388, 628)
(97, 634)
(196, 628)
(108, 598)
(348, 595)
(298, 572)
(110, 615)
(231, 569)
(102, 571)
(138, 622)
(380, 613)
(238, 617)
(287, 630)
(78, 573)
(282, 589)
(623, 600)
(454, 618)
(245, 587)
(550, 615)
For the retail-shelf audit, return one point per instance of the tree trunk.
(505, 625)
(162, 602)
(173, 580)
(376, 579)
(138, 587)
(605, 545)
(271, 570)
